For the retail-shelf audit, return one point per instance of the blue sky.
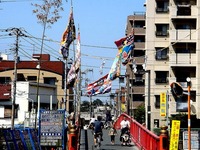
(101, 22)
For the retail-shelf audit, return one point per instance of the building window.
(8, 111)
(4, 80)
(32, 78)
(161, 76)
(20, 77)
(162, 7)
(162, 29)
(50, 81)
(157, 101)
(161, 53)
(184, 10)
(139, 24)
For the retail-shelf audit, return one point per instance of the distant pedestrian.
(112, 132)
(91, 123)
(108, 119)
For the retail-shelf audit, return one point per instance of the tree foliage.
(139, 115)
(97, 102)
(85, 106)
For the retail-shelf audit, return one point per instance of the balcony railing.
(162, 33)
(182, 59)
(139, 45)
(139, 31)
(183, 35)
(162, 10)
(178, 14)
(161, 80)
(138, 90)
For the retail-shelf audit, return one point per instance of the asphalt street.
(106, 143)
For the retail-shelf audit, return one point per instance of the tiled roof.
(52, 66)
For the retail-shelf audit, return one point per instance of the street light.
(189, 121)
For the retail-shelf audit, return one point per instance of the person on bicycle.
(125, 126)
(98, 126)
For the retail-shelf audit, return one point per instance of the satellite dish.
(193, 109)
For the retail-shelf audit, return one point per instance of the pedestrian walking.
(112, 132)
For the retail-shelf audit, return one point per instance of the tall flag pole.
(68, 36)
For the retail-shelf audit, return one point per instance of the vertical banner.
(162, 104)
(174, 137)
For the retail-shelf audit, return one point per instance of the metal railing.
(140, 135)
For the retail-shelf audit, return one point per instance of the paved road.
(106, 145)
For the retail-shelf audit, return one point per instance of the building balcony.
(139, 16)
(139, 31)
(184, 84)
(193, 84)
(177, 13)
(180, 59)
(184, 35)
(161, 80)
(138, 60)
(139, 45)
(137, 90)
(162, 10)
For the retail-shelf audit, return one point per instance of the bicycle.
(98, 137)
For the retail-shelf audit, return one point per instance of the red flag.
(120, 42)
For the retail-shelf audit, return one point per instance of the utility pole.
(18, 33)
(65, 83)
(128, 93)
(149, 103)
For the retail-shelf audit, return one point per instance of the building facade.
(134, 68)
(172, 50)
(50, 87)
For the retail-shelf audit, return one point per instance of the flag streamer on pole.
(127, 48)
(115, 68)
(101, 86)
(73, 72)
(69, 35)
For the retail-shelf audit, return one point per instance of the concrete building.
(167, 42)
(172, 49)
(50, 93)
(135, 67)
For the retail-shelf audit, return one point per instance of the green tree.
(139, 115)
(97, 102)
(85, 106)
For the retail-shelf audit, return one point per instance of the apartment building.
(172, 50)
(135, 67)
